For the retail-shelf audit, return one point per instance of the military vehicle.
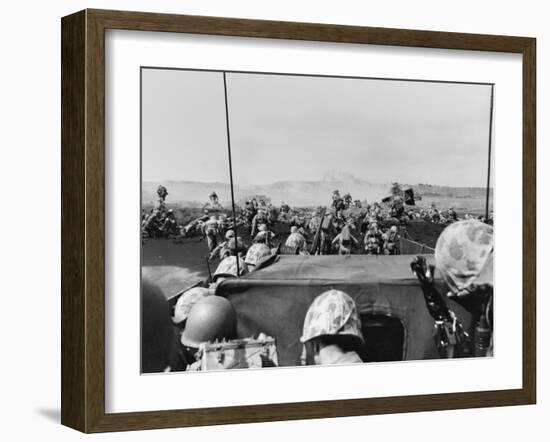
(401, 193)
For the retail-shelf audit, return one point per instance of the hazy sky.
(301, 128)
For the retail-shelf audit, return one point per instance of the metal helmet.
(157, 331)
(228, 268)
(332, 313)
(188, 300)
(463, 251)
(256, 253)
(236, 243)
(210, 318)
(293, 229)
(230, 234)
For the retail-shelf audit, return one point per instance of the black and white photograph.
(301, 220)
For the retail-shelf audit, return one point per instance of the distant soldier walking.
(210, 230)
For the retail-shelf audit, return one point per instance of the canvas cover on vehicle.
(274, 299)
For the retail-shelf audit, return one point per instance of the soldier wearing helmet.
(337, 201)
(296, 241)
(211, 318)
(187, 300)
(264, 235)
(332, 330)
(229, 268)
(162, 192)
(285, 208)
(391, 241)
(464, 257)
(150, 227)
(231, 246)
(259, 219)
(344, 241)
(397, 208)
(249, 211)
(452, 215)
(347, 200)
(373, 240)
(211, 231)
(256, 253)
(169, 226)
(434, 214)
(213, 205)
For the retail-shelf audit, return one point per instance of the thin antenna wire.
(489, 159)
(231, 172)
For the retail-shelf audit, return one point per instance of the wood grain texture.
(83, 219)
(529, 221)
(73, 254)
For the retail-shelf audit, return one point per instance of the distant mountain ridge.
(296, 193)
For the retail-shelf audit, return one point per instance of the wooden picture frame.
(83, 219)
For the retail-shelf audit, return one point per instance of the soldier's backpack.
(238, 353)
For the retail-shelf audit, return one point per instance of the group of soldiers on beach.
(345, 227)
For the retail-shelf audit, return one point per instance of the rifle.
(451, 339)
(208, 267)
(317, 237)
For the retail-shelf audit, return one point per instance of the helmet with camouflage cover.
(236, 245)
(464, 253)
(256, 253)
(228, 268)
(332, 313)
(187, 300)
(210, 318)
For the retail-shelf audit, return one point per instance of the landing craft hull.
(274, 300)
